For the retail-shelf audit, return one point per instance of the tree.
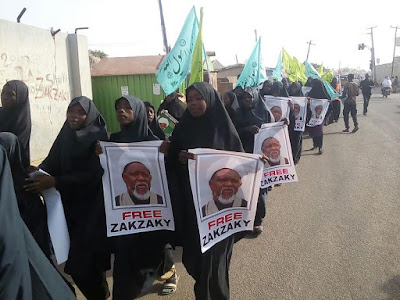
(97, 53)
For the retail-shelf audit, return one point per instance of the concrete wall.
(56, 69)
(386, 70)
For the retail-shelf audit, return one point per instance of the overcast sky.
(132, 27)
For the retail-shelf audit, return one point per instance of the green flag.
(196, 71)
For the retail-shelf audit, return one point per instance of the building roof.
(127, 65)
(217, 65)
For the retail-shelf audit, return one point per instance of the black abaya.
(138, 256)
(77, 172)
(31, 207)
(25, 273)
(17, 118)
(213, 130)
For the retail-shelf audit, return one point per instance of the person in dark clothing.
(318, 91)
(296, 137)
(153, 122)
(31, 207)
(25, 271)
(15, 115)
(350, 93)
(248, 124)
(205, 124)
(366, 85)
(75, 171)
(266, 88)
(279, 90)
(139, 256)
(295, 89)
(231, 104)
(335, 102)
(173, 105)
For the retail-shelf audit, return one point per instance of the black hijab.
(138, 130)
(70, 143)
(277, 87)
(175, 108)
(318, 90)
(213, 130)
(17, 118)
(154, 125)
(263, 91)
(295, 89)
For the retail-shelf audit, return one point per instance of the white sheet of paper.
(56, 221)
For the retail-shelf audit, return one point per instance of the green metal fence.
(107, 89)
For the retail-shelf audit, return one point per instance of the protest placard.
(273, 141)
(136, 195)
(225, 187)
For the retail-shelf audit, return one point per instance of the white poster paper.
(305, 90)
(156, 89)
(318, 107)
(278, 107)
(124, 91)
(225, 188)
(300, 112)
(273, 141)
(56, 221)
(136, 196)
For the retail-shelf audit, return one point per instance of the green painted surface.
(107, 89)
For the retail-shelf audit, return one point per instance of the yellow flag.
(196, 71)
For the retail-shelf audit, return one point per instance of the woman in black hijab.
(266, 88)
(279, 90)
(75, 171)
(137, 255)
(25, 272)
(205, 124)
(31, 207)
(15, 115)
(153, 122)
(173, 105)
(252, 116)
(231, 104)
(317, 91)
(296, 137)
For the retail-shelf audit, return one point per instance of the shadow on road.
(392, 288)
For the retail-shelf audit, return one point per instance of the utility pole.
(163, 27)
(394, 48)
(373, 54)
(309, 45)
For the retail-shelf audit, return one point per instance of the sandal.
(170, 285)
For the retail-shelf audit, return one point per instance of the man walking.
(350, 93)
(366, 86)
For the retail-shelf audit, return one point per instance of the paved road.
(336, 233)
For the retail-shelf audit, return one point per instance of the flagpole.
(259, 55)
(164, 32)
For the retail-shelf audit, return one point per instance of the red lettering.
(220, 221)
(285, 171)
(228, 218)
(237, 216)
(157, 214)
(147, 214)
(126, 214)
(136, 214)
(211, 224)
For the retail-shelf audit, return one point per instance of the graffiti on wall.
(50, 86)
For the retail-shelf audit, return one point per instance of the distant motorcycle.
(386, 91)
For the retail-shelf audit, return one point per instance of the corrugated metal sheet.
(107, 89)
